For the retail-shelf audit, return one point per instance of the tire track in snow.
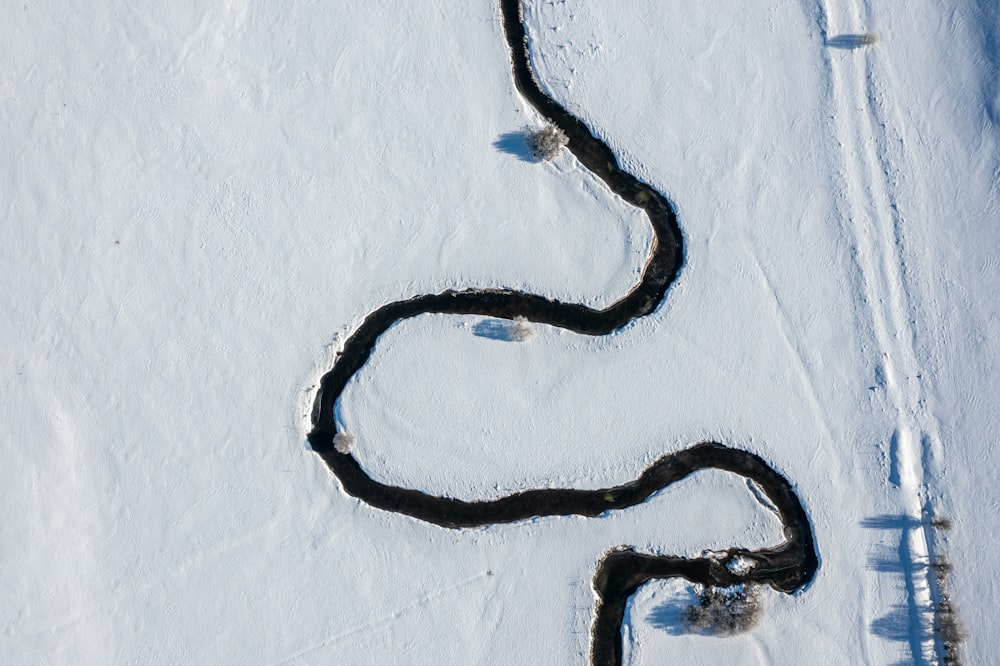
(871, 132)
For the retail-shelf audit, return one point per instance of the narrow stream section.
(786, 567)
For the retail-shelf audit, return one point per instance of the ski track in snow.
(387, 617)
(872, 134)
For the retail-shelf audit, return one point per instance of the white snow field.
(200, 200)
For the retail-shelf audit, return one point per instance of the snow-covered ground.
(200, 200)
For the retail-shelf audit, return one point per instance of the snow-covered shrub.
(723, 611)
(740, 565)
(547, 142)
(520, 329)
(344, 442)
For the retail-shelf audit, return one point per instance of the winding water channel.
(786, 566)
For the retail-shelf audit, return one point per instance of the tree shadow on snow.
(896, 627)
(886, 560)
(516, 144)
(852, 41)
(889, 522)
(494, 329)
(670, 615)
(903, 623)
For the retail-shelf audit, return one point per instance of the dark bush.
(724, 611)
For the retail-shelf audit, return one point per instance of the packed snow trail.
(871, 134)
(786, 567)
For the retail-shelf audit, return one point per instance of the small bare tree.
(941, 523)
(724, 611)
(520, 329)
(547, 142)
(344, 442)
(947, 627)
